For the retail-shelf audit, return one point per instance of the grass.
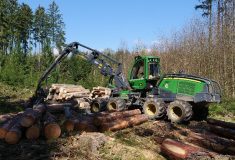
(12, 98)
(131, 144)
(223, 111)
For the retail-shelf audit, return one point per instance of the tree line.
(204, 47)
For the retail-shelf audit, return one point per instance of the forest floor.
(139, 142)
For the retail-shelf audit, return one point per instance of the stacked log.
(33, 121)
(6, 117)
(14, 134)
(123, 123)
(106, 121)
(58, 107)
(8, 125)
(85, 123)
(100, 92)
(33, 132)
(30, 121)
(32, 115)
(65, 92)
(111, 117)
(51, 129)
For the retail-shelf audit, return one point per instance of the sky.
(104, 24)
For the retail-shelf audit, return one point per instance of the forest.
(204, 47)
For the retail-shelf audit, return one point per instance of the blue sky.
(106, 23)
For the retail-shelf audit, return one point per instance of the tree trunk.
(69, 125)
(123, 123)
(14, 134)
(31, 115)
(224, 132)
(6, 117)
(177, 150)
(86, 126)
(221, 123)
(33, 132)
(99, 120)
(213, 142)
(51, 129)
(7, 126)
(57, 107)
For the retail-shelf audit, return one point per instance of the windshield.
(154, 70)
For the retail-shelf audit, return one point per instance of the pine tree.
(56, 25)
(41, 27)
(24, 22)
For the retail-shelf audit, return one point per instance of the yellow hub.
(151, 109)
(112, 106)
(95, 107)
(176, 112)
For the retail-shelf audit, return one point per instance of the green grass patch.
(126, 139)
(12, 98)
(224, 111)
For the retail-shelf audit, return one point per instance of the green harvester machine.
(180, 97)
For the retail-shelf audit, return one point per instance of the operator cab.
(145, 72)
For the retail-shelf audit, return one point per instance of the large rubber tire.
(98, 105)
(179, 111)
(116, 104)
(154, 108)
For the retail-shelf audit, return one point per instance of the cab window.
(154, 70)
(138, 70)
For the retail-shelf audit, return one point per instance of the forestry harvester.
(177, 96)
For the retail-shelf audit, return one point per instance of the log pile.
(65, 92)
(31, 123)
(221, 128)
(37, 121)
(100, 92)
(105, 121)
(207, 145)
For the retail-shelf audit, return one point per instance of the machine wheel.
(179, 111)
(116, 104)
(98, 105)
(154, 108)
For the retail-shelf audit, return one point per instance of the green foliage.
(224, 110)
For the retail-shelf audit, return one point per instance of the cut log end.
(179, 150)
(3, 133)
(33, 132)
(52, 131)
(69, 125)
(12, 137)
(27, 121)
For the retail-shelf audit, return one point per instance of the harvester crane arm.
(95, 58)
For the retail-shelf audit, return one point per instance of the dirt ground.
(139, 142)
